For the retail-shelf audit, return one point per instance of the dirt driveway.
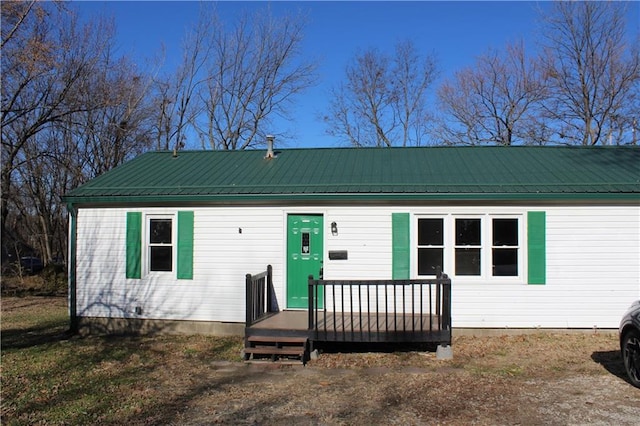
(260, 395)
(507, 380)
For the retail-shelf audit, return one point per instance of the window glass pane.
(428, 260)
(505, 232)
(161, 258)
(467, 232)
(160, 231)
(467, 261)
(430, 232)
(305, 249)
(505, 262)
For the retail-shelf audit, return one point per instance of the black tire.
(631, 356)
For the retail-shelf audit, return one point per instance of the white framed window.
(472, 247)
(505, 247)
(468, 246)
(160, 243)
(430, 245)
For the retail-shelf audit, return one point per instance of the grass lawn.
(52, 377)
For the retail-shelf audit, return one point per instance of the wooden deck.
(354, 327)
(285, 320)
(422, 313)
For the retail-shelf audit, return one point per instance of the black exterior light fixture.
(334, 229)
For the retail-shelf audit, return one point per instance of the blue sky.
(455, 31)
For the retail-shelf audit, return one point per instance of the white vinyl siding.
(222, 257)
(593, 274)
(592, 258)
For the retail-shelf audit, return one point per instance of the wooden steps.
(277, 348)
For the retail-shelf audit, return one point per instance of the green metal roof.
(375, 174)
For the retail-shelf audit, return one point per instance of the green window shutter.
(185, 245)
(536, 237)
(401, 250)
(134, 244)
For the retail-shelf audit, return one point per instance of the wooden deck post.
(269, 288)
(248, 300)
(311, 304)
(446, 302)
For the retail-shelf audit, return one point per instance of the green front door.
(304, 256)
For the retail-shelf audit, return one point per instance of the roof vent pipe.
(270, 153)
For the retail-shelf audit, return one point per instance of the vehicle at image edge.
(630, 342)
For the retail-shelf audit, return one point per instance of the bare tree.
(360, 110)
(383, 100)
(255, 69)
(40, 74)
(69, 112)
(13, 16)
(117, 130)
(591, 71)
(413, 77)
(177, 102)
(496, 101)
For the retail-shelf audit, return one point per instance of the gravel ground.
(274, 395)
(504, 380)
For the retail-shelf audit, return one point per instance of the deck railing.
(381, 310)
(259, 296)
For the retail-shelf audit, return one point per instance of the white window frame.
(148, 244)
(486, 246)
(453, 247)
(520, 247)
(418, 246)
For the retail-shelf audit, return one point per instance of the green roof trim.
(370, 174)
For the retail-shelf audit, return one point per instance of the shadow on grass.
(44, 333)
(612, 362)
(86, 382)
(125, 379)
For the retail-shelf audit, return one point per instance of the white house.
(531, 237)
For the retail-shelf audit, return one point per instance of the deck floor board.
(358, 327)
